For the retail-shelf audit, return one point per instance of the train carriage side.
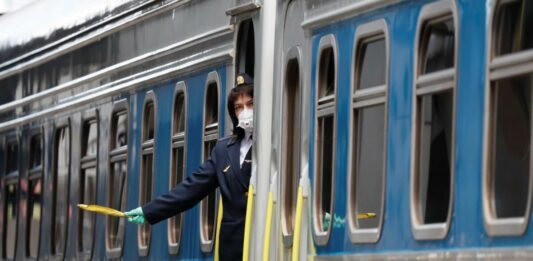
(420, 130)
(115, 116)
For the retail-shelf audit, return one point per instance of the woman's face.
(243, 102)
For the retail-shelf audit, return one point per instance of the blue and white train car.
(384, 129)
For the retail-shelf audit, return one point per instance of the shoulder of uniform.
(227, 140)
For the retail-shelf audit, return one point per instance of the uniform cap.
(243, 79)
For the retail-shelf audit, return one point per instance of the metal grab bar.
(248, 223)
(298, 226)
(268, 227)
(219, 222)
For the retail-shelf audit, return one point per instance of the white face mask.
(246, 120)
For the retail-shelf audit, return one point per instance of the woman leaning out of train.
(228, 168)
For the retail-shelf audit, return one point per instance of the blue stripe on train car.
(467, 230)
(164, 92)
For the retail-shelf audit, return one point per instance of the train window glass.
(211, 112)
(368, 164)
(34, 217)
(177, 163)
(514, 32)
(118, 171)
(34, 197)
(35, 151)
(60, 188)
(290, 160)
(326, 80)
(371, 63)
(147, 168)
(11, 158)
(179, 113)
(324, 177)
(511, 144)
(507, 179)
(367, 149)
(325, 158)
(10, 218)
(209, 203)
(246, 48)
(148, 121)
(209, 206)
(434, 154)
(432, 164)
(438, 44)
(88, 184)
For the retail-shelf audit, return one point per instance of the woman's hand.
(135, 216)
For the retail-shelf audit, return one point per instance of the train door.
(290, 156)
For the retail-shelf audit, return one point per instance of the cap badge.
(240, 80)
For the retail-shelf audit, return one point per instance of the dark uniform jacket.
(221, 170)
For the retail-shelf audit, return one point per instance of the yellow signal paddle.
(366, 215)
(101, 210)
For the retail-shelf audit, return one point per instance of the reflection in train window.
(10, 218)
(432, 175)
(513, 22)
(177, 163)
(147, 168)
(438, 45)
(511, 146)
(118, 171)
(34, 197)
(367, 176)
(507, 180)
(208, 206)
(10, 211)
(290, 159)
(60, 190)
(88, 184)
(325, 140)
(11, 158)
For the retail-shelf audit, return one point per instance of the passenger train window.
(290, 159)
(35, 188)
(60, 179)
(507, 176)
(10, 211)
(366, 193)
(511, 143)
(147, 167)
(117, 180)
(209, 206)
(513, 27)
(88, 184)
(433, 133)
(177, 162)
(245, 59)
(325, 139)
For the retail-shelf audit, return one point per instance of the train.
(384, 129)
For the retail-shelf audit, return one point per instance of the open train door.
(287, 228)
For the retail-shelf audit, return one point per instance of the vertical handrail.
(248, 224)
(268, 227)
(219, 222)
(298, 226)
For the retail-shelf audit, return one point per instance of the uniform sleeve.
(185, 195)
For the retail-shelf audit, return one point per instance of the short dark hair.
(242, 89)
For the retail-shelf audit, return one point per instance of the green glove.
(327, 220)
(135, 216)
